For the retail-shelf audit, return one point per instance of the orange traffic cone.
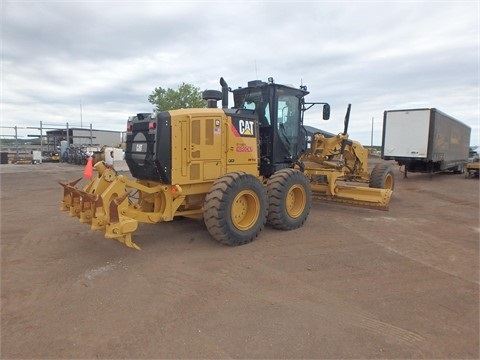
(88, 171)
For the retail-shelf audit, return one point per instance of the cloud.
(110, 55)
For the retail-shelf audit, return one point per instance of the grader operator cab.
(237, 168)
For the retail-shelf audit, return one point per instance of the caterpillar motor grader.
(237, 168)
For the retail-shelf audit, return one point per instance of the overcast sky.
(96, 62)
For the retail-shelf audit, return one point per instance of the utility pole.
(371, 136)
(68, 136)
(16, 144)
(41, 138)
(81, 119)
(91, 135)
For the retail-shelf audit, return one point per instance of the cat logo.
(246, 127)
(243, 127)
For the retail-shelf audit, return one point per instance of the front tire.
(382, 177)
(235, 208)
(289, 199)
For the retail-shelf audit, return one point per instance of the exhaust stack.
(225, 90)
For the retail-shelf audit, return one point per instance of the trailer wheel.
(460, 169)
(382, 177)
(289, 199)
(235, 208)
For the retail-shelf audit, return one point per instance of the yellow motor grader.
(237, 168)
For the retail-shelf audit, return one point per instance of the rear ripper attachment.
(115, 204)
(103, 204)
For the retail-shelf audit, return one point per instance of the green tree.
(187, 96)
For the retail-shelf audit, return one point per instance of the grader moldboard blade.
(329, 184)
(372, 198)
(100, 203)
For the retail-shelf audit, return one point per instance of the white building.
(83, 136)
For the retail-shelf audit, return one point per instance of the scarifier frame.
(115, 204)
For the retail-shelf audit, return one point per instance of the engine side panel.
(207, 143)
(197, 142)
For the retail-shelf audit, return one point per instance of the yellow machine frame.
(213, 170)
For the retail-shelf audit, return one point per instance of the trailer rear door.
(406, 133)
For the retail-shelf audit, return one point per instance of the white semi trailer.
(425, 140)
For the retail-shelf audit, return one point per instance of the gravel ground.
(351, 283)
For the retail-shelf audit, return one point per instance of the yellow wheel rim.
(389, 182)
(245, 210)
(295, 201)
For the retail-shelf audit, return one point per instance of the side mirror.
(326, 112)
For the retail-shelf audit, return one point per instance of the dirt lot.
(352, 283)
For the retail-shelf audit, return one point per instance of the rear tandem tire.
(382, 177)
(289, 198)
(235, 208)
